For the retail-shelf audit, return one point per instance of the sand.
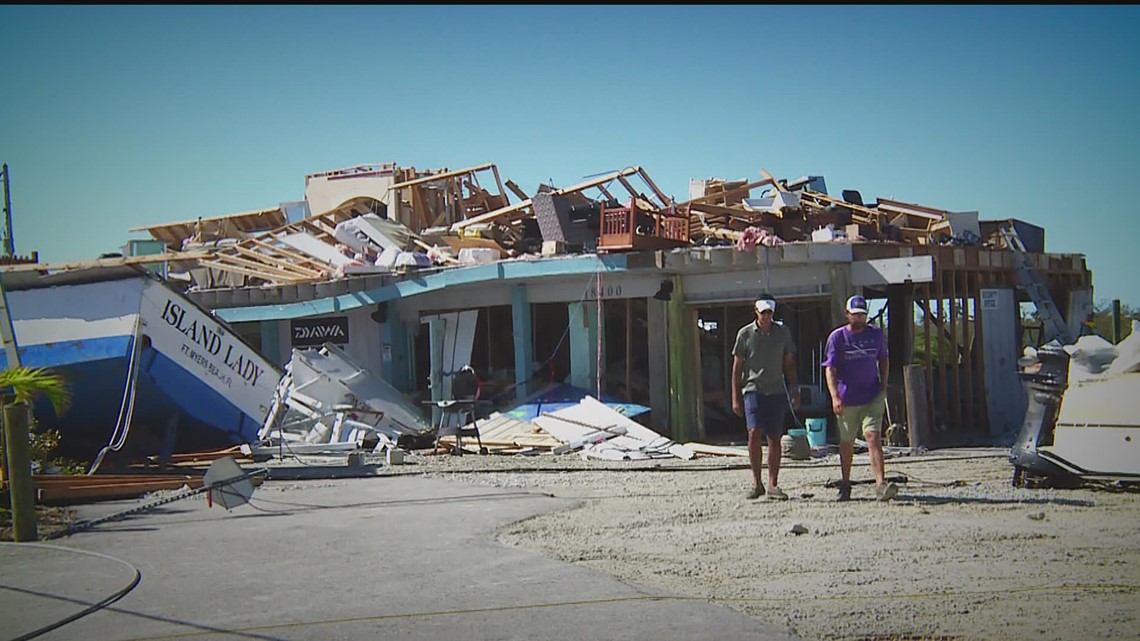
(960, 553)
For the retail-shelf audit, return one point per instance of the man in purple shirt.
(857, 363)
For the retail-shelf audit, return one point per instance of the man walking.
(762, 363)
(857, 363)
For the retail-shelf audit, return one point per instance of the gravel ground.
(960, 553)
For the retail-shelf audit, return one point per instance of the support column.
(524, 340)
(271, 342)
(584, 346)
(396, 350)
(841, 290)
(1116, 328)
(900, 319)
(437, 328)
(656, 317)
(900, 343)
(683, 399)
(918, 416)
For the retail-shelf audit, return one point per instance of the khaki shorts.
(857, 420)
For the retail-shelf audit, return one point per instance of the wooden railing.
(626, 229)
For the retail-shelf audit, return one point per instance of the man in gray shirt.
(761, 366)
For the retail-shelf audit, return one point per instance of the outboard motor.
(1046, 387)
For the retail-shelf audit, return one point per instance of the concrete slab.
(389, 557)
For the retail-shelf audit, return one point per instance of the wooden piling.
(17, 421)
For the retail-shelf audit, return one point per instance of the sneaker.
(756, 492)
(887, 491)
(844, 492)
(776, 494)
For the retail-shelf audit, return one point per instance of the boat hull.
(195, 384)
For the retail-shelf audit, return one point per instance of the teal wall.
(584, 345)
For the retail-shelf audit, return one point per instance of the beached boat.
(144, 363)
(1082, 423)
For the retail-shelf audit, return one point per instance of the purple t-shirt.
(855, 358)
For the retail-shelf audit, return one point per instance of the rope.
(127, 407)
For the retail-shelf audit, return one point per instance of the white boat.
(139, 358)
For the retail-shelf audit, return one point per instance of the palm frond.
(28, 383)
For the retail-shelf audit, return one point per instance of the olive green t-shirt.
(763, 356)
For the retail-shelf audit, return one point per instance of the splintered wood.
(446, 211)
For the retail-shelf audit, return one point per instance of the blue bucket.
(817, 431)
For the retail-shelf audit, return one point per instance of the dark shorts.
(765, 412)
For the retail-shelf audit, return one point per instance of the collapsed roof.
(393, 220)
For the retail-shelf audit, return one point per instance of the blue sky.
(118, 117)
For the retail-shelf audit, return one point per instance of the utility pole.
(9, 242)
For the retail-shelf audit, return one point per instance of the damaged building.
(614, 287)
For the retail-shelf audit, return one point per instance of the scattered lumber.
(69, 488)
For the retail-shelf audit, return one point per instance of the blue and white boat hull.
(137, 354)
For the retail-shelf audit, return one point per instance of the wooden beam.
(955, 367)
(274, 213)
(725, 194)
(261, 268)
(980, 360)
(598, 181)
(874, 214)
(320, 229)
(775, 183)
(499, 182)
(280, 265)
(218, 264)
(455, 191)
(498, 213)
(943, 384)
(170, 257)
(969, 332)
(937, 321)
(665, 200)
(419, 207)
(928, 360)
(633, 193)
(300, 259)
(917, 412)
(517, 190)
(440, 176)
(274, 263)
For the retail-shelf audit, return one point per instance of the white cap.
(766, 305)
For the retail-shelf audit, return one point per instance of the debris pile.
(603, 433)
(383, 219)
(326, 402)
